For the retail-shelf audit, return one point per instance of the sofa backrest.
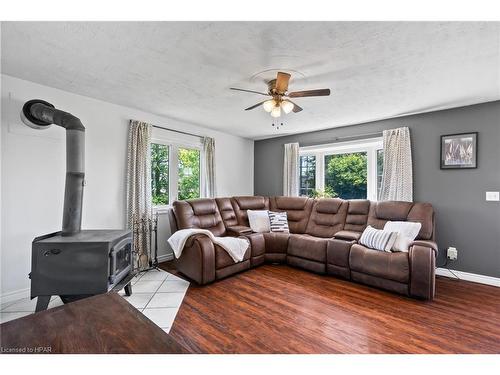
(199, 213)
(227, 212)
(357, 215)
(423, 213)
(244, 203)
(320, 217)
(298, 210)
(327, 217)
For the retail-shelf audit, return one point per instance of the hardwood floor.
(279, 309)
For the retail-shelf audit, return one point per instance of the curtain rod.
(336, 139)
(177, 131)
(359, 135)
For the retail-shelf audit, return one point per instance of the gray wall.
(464, 218)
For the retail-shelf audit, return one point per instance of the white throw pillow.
(279, 222)
(259, 221)
(378, 239)
(407, 232)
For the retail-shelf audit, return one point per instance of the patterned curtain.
(209, 168)
(397, 177)
(291, 170)
(139, 213)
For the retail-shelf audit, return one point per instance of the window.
(159, 174)
(189, 173)
(307, 175)
(349, 170)
(175, 167)
(345, 175)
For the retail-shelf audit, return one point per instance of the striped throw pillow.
(378, 239)
(278, 222)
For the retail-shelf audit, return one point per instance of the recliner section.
(323, 238)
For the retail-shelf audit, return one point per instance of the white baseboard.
(475, 278)
(165, 257)
(14, 296)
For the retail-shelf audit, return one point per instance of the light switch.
(492, 196)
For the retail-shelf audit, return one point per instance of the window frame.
(175, 141)
(300, 171)
(370, 146)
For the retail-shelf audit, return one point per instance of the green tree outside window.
(159, 173)
(189, 174)
(345, 175)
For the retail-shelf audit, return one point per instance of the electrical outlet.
(452, 253)
(492, 196)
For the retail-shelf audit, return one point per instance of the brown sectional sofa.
(323, 238)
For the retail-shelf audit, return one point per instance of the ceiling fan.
(278, 90)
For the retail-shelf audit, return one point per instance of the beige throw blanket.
(235, 247)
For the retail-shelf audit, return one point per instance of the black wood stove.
(75, 263)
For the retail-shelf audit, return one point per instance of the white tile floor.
(158, 294)
(18, 309)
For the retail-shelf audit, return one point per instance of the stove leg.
(42, 302)
(128, 289)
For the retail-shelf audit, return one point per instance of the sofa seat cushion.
(348, 235)
(307, 247)
(223, 259)
(392, 266)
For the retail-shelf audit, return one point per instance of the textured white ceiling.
(183, 70)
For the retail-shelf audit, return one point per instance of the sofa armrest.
(425, 243)
(239, 230)
(197, 260)
(347, 235)
(422, 271)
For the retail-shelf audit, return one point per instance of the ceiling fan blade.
(255, 106)
(296, 108)
(302, 94)
(245, 90)
(282, 82)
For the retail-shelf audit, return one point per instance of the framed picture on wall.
(459, 151)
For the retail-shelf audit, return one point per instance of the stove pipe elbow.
(39, 114)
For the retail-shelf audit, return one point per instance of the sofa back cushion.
(227, 212)
(357, 215)
(199, 213)
(298, 210)
(244, 203)
(327, 217)
(423, 213)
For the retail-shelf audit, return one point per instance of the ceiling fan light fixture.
(276, 111)
(286, 106)
(269, 105)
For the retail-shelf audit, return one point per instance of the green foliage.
(159, 174)
(189, 174)
(345, 175)
(188, 170)
(327, 193)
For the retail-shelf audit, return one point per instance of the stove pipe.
(39, 114)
